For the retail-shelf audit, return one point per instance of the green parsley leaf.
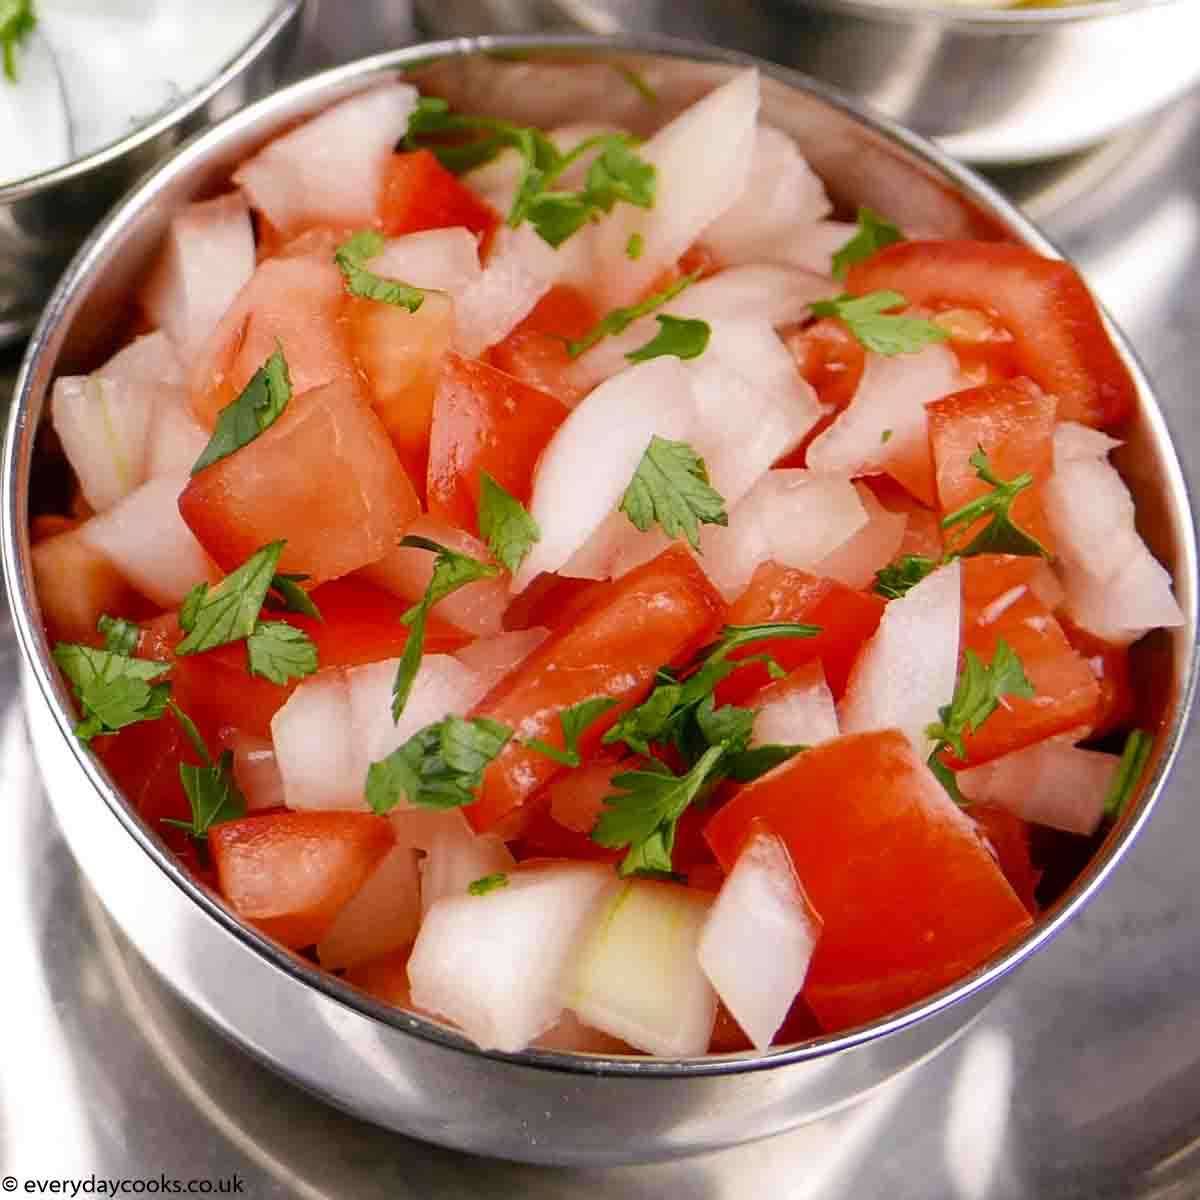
(671, 486)
(684, 338)
(487, 883)
(190, 732)
(440, 766)
(351, 258)
(634, 247)
(644, 814)
(649, 721)
(617, 173)
(874, 232)
(278, 651)
(228, 612)
(977, 695)
(750, 764)
(505, 523)
(574, 721)
(999, 535)
(287, 594)
(113, 689)
(885, 437)
(868, 319)
(451, 571)
(259, 406)
(896, 579)
(948, 779)
(638, 82)
(213, 794)
(17, 22)
(620, 319)
(120, 636)
(1134, 757)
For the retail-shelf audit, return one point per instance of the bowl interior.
(548, 81)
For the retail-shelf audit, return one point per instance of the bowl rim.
(1004, 21)
(280, 16)
(342, 80)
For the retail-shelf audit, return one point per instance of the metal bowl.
(991, 86)
(397, 1069)
(45, 217)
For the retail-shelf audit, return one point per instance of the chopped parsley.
(900, 577)
(120, 636)
(1133, 762)
(869, 320)
(670, 487)
(505, 523)
(114, 690)
(212, 793)
(634, 247)
(278, 651)
(17, 22)
(227, 612)
(620, 319)
(999, 535)
(873, 233)
(682, 337)
(260, 405)
(487, 883)
(352, 257)
(574, 721)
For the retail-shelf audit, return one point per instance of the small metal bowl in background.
(991, 86)
(45, 217)
(395, 1068)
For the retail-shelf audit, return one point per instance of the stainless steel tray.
(1081, 1080)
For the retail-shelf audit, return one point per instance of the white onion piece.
(908, 669)
(1051, 783)
(782, 194)
(330, 170)
(315, 748)
(444, 259)
(1073, 441)
(811, 247)
(891, 396)
(177, 439)
(759, 938)
(602, 441)
(794, 517)
(441, 686)
(104, 427)
(491, 964)
(1115, 588)
(771, 294)
(796, 711)
(382, 916)
(145, 538)
(870, 549)
(147, 359)
(405, 571)
(456, 858)
(636, 974)
(208, 257)
(577, 797)
(703, 162)
(255, 769)
(492, 658)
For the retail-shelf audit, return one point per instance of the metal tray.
(1081, 1080)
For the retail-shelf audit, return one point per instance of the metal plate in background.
(1081, 1080)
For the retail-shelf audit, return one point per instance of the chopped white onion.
(492, 658)
(315, 747)
(147, 359)
(796, 711)
(456, 858)
(874, 546)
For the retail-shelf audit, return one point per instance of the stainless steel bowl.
(400, 1070)
(991, 86)
(44, 218)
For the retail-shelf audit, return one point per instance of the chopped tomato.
(697, 257)
(997, 604)
(291, 873)
(75, 585)
(831, 359)
(385, 978)
(291, 302)
(1009, 837)
(1013, 423)
(910, 897)
(776, 593)
(484, 420)
(923, 531)
(324, 476)
(399, 354)
(361, 624)
(654, 615)
(1110, 665)
(419, 193)
(985, 350)
(535, 352)
(543, 837)
(1058, 334)
(552, 600)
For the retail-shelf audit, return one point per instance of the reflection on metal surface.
(980, 1102)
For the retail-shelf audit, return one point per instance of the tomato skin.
(324, 476)
(1058, 334)
(484, 420)
(1009, 837)
(997, 604)
(1110, 665)
(535, 352)
(419, 193)
(552, 600)
(777, 593)
(1014, 424)
(923, 532)
(910, 897)
(831, 359)
(656, 614)
(291, 873)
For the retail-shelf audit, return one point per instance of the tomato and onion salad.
(576, 587)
